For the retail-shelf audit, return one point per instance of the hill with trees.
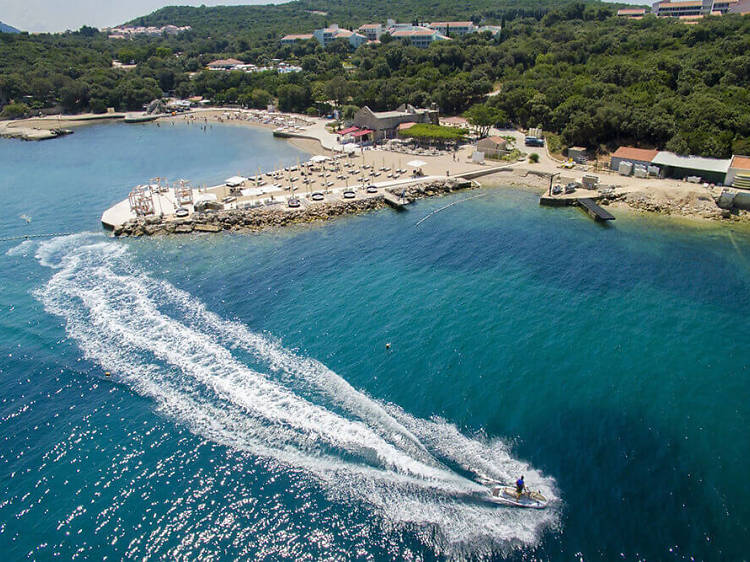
(572, 68)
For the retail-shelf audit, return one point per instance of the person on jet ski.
(520, 486)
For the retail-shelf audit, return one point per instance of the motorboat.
(508, 495)
(317, 196)
(349, 194)
(293, 202)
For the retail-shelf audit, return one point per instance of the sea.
(347, 390)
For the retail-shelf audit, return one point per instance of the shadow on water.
(630, 491)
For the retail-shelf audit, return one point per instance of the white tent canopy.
(416, 163)
(235, 181)
(205, 197)
(319, 158)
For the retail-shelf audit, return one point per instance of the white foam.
(21, 249)
(164, 344)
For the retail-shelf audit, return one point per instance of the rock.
(206, 228)
(183, 228)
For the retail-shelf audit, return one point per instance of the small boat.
(557, 190)
(317, 196)
(181, 212)
(293, 202)
(570, 188)
(507, 495)
(372, 189)
(349, 194)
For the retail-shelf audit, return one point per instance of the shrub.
(15, 111)
(533, 158)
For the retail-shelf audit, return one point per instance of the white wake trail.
(164, 344)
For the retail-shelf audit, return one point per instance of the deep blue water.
(253, 411)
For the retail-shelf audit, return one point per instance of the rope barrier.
(30, 236)
(449, 205)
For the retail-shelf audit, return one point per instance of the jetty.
(594, 210)
(584, 201)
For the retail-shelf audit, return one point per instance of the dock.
(588, 204)
(594, 210)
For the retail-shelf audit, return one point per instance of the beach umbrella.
(416, 163)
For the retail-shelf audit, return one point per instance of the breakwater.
(275, 216)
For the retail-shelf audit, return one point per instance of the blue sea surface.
(231, 396)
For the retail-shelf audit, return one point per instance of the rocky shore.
(263, 218)
(690, 205)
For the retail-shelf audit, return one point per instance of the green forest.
(573, 68)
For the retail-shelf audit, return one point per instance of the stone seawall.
(262, 218)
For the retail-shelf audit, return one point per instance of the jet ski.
(507, 495)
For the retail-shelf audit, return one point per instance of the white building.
(449, 28)
(419, 36)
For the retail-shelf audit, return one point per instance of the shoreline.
(665, 198)
(264, 218)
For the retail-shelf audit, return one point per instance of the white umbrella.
(319, 158)
(416, 163)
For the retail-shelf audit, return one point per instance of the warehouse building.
(636, 156)
(713, 170)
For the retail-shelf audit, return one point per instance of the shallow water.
(254, 411)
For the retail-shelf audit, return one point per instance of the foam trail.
(246, 391)
(23, 249)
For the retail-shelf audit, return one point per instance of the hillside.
(305, 15)
(5, 28)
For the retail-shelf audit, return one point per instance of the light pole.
(550, 181)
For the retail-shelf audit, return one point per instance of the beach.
(623, 194)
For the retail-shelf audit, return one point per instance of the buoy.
(388, 346)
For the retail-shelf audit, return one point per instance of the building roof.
(407, 125)
(631, 12)
(495, 140)
(740, 162)
(370, 26)
(348, 130)
(631, 153)
(298, 36)
(689, 4)
(414, 32)
(225, 62)
(664, 158)
(695, 17)
(453, 23)
(362, 133)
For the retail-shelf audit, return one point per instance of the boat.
(293, 202)
(349, 194)
(507, 495)
(181, 212)
(317, 196)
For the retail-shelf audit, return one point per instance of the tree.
(483, 117)
(15, 111)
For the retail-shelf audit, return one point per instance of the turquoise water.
(254, 411)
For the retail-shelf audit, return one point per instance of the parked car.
(533, 141)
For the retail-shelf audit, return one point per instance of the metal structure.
(183, 193)
(141, 200)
